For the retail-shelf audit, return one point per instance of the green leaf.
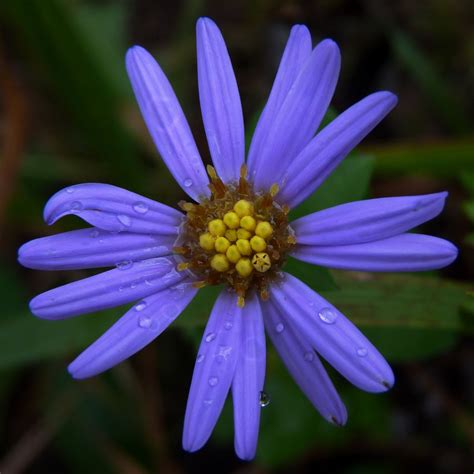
(349, 182)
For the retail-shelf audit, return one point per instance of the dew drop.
(75, 206)
(228, 325)
(213, 381)
(200, 358)
(140, 207)
(124, 219)
(263, 399)
(188, 183)
(94, 233)
(327, 315)
(140, 306)
(309, 356)
(210, 337)
(279, 328)
(144, 322)
(149, 283)
(70, 190)
(207, 402)
(361, 351)
(124, 264)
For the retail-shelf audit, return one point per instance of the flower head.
(236, 233)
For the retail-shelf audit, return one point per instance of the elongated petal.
(166, 122)
(220, 101)
(248, 380)
(332, 335)
(133, 331)
(366, 221)
(300, 114)
(297, 52)
(303, 364)
(402, 253)
(113, 209)
(129, 282)
(331, 145)
(92, 248)
(213, 372)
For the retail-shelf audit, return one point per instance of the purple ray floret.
(137, 238)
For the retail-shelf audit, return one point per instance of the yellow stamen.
(261, 262)
(183, 266)
(231, 220)
(220, 263)
(248, 223)
(240, 301)
(211, 172)
(244, 247)
(243, 234)
(274, 189)
(258, 244)
(221, 245)
(291, 239)
(231, 235)
(206, 241)
(264, 230)
(233, 254)
(244, 267)
(243, 208)
(199, 284)
(217, 227)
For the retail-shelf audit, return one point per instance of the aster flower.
(236, 233)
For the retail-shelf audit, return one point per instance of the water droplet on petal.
(361, 351)
(223, 354)
(188, 183)
(70, 190)
(124, 219)
(309, 356)
(263, 399)
(207, 402)
(210, 337)
(279, 328)
(140, 207)
(124, 265)
(94, 233)
(75, 206)
(144, 322)
(228, 325)
(327, 315)
(140, 306)
(213, 381)
(200, 358)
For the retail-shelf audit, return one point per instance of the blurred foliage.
(67, 58)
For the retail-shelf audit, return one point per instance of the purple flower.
(236, 233)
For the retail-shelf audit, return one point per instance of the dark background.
(68, 116)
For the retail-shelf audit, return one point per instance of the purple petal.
(213, 372)
(332, 335)
(403, 253)
(330, 146)
(248, 380)
(113, 209)
(300, 114)
(129, 282)
(92, 248)
(166, 122)
(133, 331)
(297, 51)
(366, 221)
(220, 101)
(304, 365)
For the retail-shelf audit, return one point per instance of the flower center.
(237, 236)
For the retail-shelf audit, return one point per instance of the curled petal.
(113, 209)
(332, 335)
(331, 145)
(304, 365)
(92, 248)
(366, 221)
(213, 372)
(124, 284)
(166, 122)
(402, 253)
(300, 114)
(297, 51)
(248, 380)
(134, 330)
(220, 101)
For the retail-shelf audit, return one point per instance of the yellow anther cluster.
(239, 240)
